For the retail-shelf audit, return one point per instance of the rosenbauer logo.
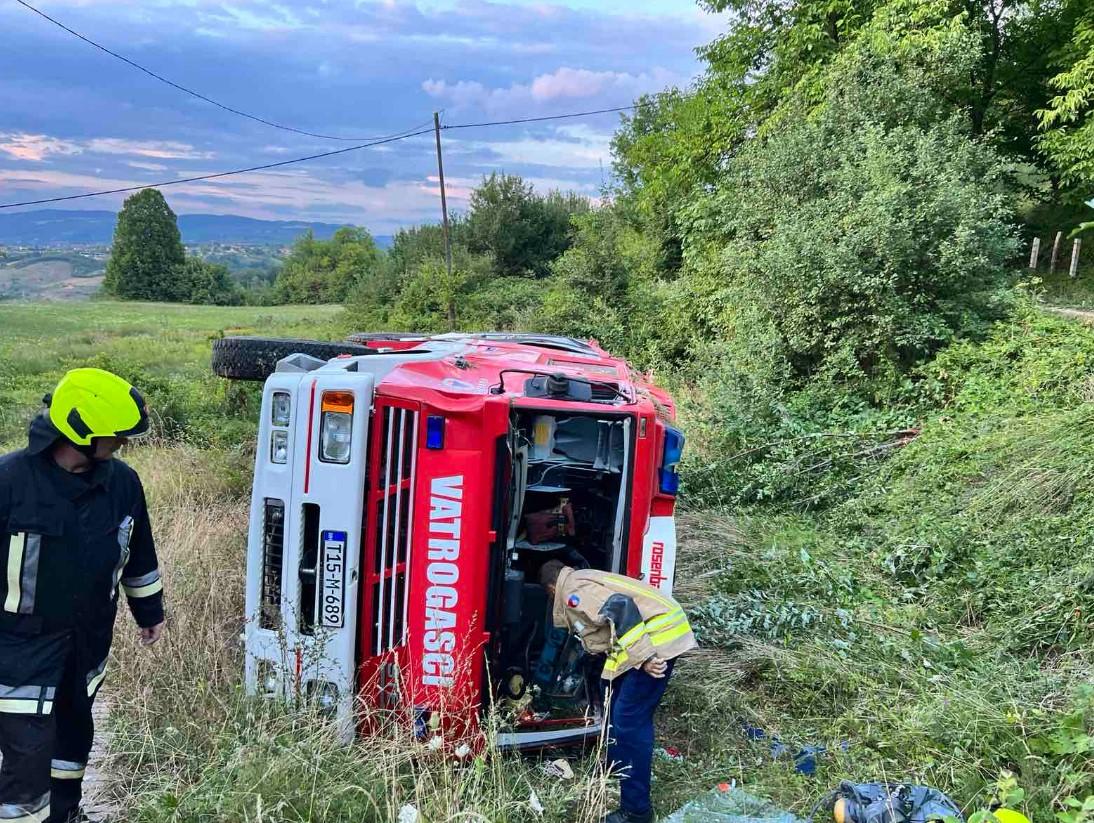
(443, 574)
(657, 564)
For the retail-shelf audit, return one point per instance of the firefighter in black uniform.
(73, 529)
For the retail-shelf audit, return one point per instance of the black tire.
(255, 358)
(362, 337)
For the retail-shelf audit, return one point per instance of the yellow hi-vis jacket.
(623, 618)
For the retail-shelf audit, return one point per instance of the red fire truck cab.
(405, 497)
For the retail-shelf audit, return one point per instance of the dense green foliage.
(522, 232)
(327, 271)
(938, 620)
(207, 283)
(148, 262)
(147, 251)
(501, 250)
(1068, 119)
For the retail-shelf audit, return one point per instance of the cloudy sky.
(73, 119)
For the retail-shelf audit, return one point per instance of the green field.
(163, 348)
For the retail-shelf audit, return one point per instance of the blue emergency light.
(434, 432)
(668, 479)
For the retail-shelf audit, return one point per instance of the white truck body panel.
(290, 659)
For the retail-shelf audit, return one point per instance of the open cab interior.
(567, 500)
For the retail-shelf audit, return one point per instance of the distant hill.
(58, 227)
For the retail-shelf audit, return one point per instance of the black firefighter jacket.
(68, 542)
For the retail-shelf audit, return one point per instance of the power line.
(540, 119)
(380, 142)
(218, 174)
(191, 92)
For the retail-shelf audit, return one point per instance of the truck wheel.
(363, 337)
(255, 358)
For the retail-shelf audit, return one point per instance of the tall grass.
(188, 745)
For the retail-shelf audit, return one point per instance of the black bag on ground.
(891, 803)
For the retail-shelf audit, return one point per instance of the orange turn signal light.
(338, 401)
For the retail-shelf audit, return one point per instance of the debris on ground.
(533, 802)
(559, 768)
(890, 803)
(670, 753)
(725, 803)
(805, 758)
(409, 814)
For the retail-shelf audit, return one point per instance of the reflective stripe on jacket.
(623, 618)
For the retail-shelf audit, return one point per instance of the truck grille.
(273, 553)
(392, 518)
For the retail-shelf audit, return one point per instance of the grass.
(937, 622)
(188, 745)
(164, 349)
(934, 626)
(1060, 289)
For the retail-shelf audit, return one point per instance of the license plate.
(333, 594)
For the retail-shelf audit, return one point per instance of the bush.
(936, 620)
(326, 271)
(207, 283)
(841, 250)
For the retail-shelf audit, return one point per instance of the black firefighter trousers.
(44, 755)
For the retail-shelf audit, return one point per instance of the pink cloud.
(565, 83)
(34, 147)
(39, 147)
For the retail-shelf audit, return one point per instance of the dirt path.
(95, 804)
(1082, 315)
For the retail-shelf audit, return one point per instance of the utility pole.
(444, 218)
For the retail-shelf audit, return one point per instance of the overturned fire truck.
(407, 489)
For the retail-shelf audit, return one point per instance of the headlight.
(279, 446)
(336, 428)
(281, 408)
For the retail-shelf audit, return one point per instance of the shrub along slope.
(937, 624)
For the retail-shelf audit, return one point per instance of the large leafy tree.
(327, 271)
(677, 144)
(147, 251)
(1068, 119)
(521, 230)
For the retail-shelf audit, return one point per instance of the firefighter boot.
(621, 816)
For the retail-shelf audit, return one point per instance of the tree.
(208, 283)
(327, 271)
(522, 231)
(1068, 119)
(147, 251)
(856, 239)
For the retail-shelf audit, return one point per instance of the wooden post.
(1075, 256)
(1055, 252)
(1034, 253)
(444, 216)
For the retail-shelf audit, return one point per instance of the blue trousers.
(635, 696)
